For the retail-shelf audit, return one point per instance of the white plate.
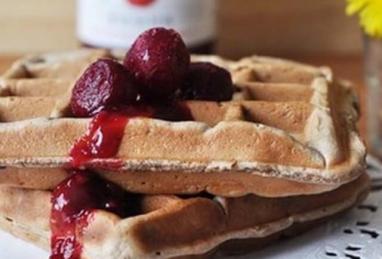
(358, 234)
(13, 248)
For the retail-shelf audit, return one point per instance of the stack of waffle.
(283, 154)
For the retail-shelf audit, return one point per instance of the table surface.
(349, 67)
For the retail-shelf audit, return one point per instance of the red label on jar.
(141, 2)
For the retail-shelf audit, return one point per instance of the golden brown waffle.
(64, 65)
(288, 120)
(169, 226)
(290, 131)
(224, 184)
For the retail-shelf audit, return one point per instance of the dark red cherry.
(205, 81)
(104, 84)
(158, 60)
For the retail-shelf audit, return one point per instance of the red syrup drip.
(106, 130)
(73, 202)
(76, 198)
(104, 135)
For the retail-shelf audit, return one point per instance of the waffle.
(64, 65)
(223, 184)
(281, 155)
(287, 120)
(198, 225)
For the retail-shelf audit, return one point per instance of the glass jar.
(115, 24)
(373, 78)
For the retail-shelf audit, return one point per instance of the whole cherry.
(205, 81)
(105, 84)
(159, 61)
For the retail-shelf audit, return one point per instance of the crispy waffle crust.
(286, 120)
(223, 184)
(198, 225)
(281, 155)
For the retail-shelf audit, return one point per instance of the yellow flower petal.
(370, 14)
(354, 6)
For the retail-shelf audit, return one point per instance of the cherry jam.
(104, 135)
(73, 202)
(106, 129)
(76, 198)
